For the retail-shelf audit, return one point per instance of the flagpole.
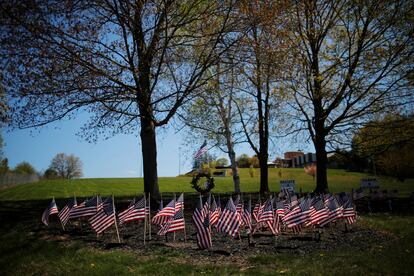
(97, 235)
(175, 202)
(63, 227)
(116, 224)
(185, 232)
(149, 215)
(145, 214)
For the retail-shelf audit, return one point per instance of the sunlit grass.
(339, 180)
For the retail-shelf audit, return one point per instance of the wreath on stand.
(206, 187)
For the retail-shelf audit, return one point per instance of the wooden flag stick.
(185, 232)
(97, 235)
(63, 227)
(116, 224)
(145, 221)
(175, 202)
(149, 215)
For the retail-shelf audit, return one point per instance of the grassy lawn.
(339, 180)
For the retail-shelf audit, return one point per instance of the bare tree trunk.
(149, 157)
(321, 165)
(264, 179)
(236, 177)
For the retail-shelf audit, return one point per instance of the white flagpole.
(149, 215)
(145, 221)
(116, 224)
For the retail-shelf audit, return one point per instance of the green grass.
(339, 180)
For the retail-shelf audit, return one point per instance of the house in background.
(295, 159)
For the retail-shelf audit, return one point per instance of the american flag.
(247, 216)
(239, 204)
(165, 214)
(302, 216)
(318, 213)
(206, 206)
(175, 224)
(64, 213)
(335, 211)
(349, 211)
(137, 212)
(258, 207)
(267, 216)
(201, 220)
(87, 209)
(214, 213)
(179, 203)
(122, 215)
(50, 210)
(229, 221)
(280, 208)
(104, 218)
(201, 150)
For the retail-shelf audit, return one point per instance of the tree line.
(62, 166)
(232, 71)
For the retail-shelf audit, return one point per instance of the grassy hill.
(339, 180)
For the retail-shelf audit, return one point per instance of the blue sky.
(119, 156)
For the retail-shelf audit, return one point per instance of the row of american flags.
(285, 212)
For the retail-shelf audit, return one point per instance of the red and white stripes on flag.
(136, 212)
(266, 217)
(175, 224)
(335, 211)
(86, 209)
(123, 214)
(165, 214)
(201, 219)
(65, 212)
(50, 210)
(247, 216)
(214, 213)
(229, 221)
(318, 213)
(349, 213)
(104, 218)
(258, 208)
(179, 203)
(301, 216)
(201, 150)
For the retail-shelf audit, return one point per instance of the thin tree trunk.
(236, 177)
(149, 157)
(232, 157)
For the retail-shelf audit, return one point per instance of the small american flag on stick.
(50, 210)
(104, 218)
(229, 221)
(65, 212)
(214, 213)
(136, 212)
(165, 214)
(175, 224)
(201, 221)
(87, 209)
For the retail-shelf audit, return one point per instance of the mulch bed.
(225, 248)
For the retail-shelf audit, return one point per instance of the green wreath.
(208, 185)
